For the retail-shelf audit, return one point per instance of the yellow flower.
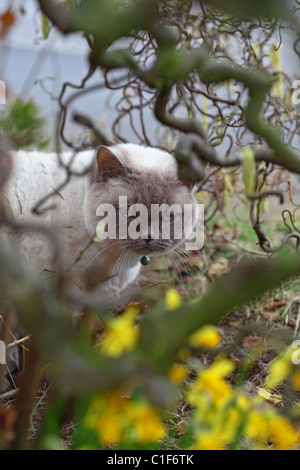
(212, 381)
(283, 434)
(107, 414)
(242, 402)
(172, 299)
(121, 334)
(229, 421)
(202, 403)
(222, 367)
(207, 337)
(177, 373)
(147, 423)
(109, 429)
(118, 418)
(256, 426)
(209, 441)
(279, 369)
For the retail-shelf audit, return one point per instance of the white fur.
(145, 158)
(35, 174)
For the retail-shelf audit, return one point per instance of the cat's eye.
(169, 217)
(126, 213)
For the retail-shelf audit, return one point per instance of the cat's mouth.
(149, 248)
(145, 250)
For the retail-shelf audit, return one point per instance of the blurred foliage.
(21, 123)
(245, 9)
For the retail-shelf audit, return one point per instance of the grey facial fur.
(140, 186)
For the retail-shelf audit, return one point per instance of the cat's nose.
(146, 237)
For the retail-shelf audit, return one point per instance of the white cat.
(95, 270)
(144, 175)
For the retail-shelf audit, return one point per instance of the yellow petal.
(177, 373)
(207, 337)
(172, 299)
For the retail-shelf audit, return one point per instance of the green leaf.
(245, 9)
(248, 165)
(21, 123)
(46, 28)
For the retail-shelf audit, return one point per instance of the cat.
(141, 175)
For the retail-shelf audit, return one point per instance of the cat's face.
(154, 208)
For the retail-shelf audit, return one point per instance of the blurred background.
(34, 68)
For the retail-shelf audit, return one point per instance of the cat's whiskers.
(177, 267)
(182, 264)
(186, 253)
(166, 260)
(111, 245)
(125, 260)
(190, 258)
(183, 258)
(118, 263)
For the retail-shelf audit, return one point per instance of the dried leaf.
(219, 268)
(274, 305)
(275, 398)
(6, 20)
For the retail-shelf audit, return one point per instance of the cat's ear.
(108, 165)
